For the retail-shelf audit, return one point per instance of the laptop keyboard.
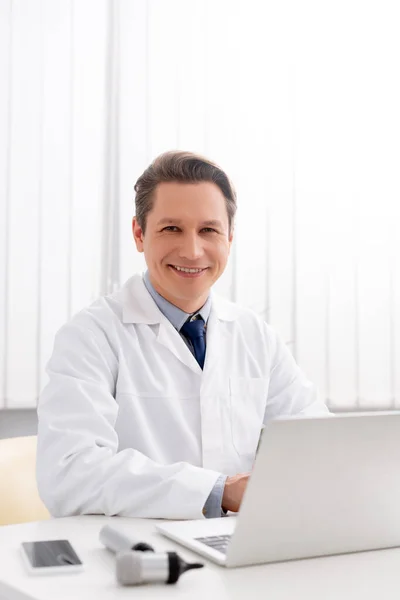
(218, 542)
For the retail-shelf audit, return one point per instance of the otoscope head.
(136, 568)
(177, 566)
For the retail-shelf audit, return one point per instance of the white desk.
(364, 576)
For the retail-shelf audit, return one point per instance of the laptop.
(320, 486)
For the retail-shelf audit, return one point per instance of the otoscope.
(137, 562)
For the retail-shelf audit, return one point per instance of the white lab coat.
(130, 425)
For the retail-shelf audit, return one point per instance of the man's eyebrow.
(212, 223)
(169, 221)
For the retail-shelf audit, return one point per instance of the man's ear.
(137, 235)
(230, 238)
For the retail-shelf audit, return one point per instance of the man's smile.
(188, 271)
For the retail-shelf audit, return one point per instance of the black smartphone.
(51, 556)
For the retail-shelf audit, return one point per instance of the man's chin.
(189, 289)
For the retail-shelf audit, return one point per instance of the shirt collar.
(174, 314)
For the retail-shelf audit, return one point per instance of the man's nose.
(191, 247)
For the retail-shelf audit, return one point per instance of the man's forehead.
(179, 221)
(202, 191)
(191, 203)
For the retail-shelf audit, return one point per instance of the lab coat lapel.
(213, 346)
(139, 307)
(221, 310)
(170, 338)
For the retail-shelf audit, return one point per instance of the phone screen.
(52, 553)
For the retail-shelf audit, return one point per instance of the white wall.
(298, 101)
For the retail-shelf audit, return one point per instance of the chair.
(19, 497)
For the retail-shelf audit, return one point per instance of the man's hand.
(234, 490)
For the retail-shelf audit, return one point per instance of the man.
(157, 393)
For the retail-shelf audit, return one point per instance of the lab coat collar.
(139, 306)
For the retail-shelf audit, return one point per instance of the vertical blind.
(298, 102)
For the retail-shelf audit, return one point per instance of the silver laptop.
(320, 486)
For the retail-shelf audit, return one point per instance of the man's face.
(187, 228)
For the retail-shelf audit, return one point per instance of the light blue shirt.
(178, 318)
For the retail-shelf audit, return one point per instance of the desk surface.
(366, 575)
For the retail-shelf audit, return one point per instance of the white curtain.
(298, 101)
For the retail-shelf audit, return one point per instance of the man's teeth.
(187, 270)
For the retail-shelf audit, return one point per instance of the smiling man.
(158, 393)
(185, 250)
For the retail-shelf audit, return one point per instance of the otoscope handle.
(117, 540)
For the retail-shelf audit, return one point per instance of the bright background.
(297, 101)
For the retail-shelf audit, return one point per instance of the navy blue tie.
(194, 331)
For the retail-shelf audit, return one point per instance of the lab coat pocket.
(247, 396)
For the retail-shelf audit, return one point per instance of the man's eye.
(209, 229)
(170, 228)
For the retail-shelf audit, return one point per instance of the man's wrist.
(233, 491)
